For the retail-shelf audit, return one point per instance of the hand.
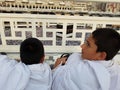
(60, 61)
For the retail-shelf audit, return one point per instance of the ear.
(42, 59)
(102, 55)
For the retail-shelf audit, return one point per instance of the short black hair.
(31, 51)
(107, 40)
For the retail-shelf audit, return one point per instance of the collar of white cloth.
(40, 78)
(107, 64)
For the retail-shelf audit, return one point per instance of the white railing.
(14, 28)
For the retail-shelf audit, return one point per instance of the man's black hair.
(31, 51)
(107, 40)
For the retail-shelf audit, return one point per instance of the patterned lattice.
(58, 33)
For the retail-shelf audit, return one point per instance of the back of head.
(107, 40)
(31, 51)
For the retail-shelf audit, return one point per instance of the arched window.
(36, 6)
(12, 5)
(33, 6)
(16, 6)
(57, 7)
(43, 7)
(27, 6)
(19, 6)
(23, 6)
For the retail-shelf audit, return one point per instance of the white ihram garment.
(78, 74)
(18, 76)
(40, 78)
(114, 70)
(13, 75)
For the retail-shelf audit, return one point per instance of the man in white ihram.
(31, 73)
(94, 69)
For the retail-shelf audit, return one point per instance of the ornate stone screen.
(58, 33)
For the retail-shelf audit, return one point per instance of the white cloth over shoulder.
(18, 76)
(40, 78)
(114, 70)
(78, 74)
(13, 75)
